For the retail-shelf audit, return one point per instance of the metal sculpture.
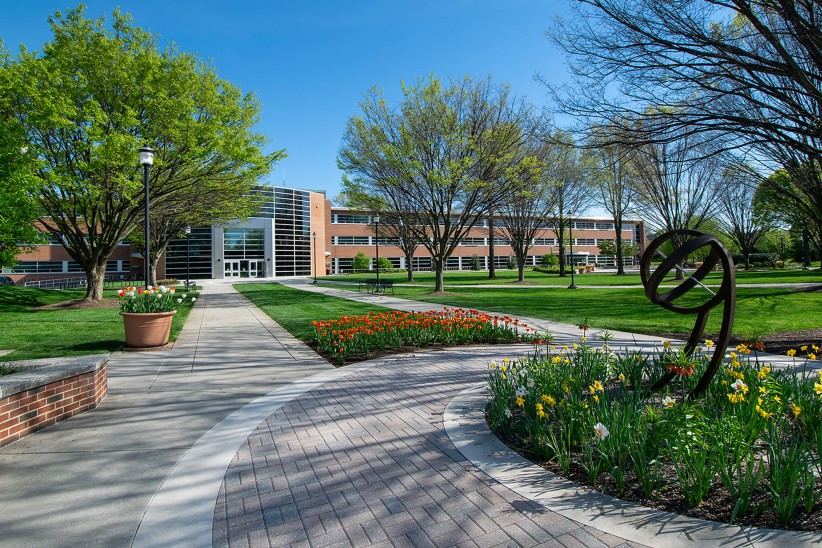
(726, 294)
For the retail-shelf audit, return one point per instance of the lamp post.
(314, 257)
(571, 242)
(377, 245)
(782, 248)
(146, 159)
(188, 254)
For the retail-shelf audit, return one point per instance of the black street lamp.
(146, 159)
(571, 242)
(377, 244)
(314, 256)
(188, 254)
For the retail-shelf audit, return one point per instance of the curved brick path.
(365, 460)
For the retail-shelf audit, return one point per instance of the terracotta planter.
(148, 329)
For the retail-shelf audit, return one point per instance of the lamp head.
(146, 156)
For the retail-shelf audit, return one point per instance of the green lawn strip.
(759, 311)
(34, 333)
(295, 309)
(594, 278)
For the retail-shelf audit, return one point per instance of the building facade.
(298, 233)
(353, 231)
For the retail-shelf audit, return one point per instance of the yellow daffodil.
(736, 398)
(709, 343)
(795, 409)
(520, 401)
(764, 372)
(791, 352)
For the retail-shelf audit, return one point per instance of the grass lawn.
(295, 309)
(759, 311)
(34, 333)
(596, 278)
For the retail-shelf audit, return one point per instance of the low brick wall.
(49, 391)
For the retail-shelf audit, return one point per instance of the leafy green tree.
(437, 157)
(95, 96)
(549, 260)
(18, 209)
(361, 261)
(609, 248)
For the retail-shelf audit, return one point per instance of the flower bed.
(746, 451)
(362, 336)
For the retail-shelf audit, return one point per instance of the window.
(351, 240)
(604, 240)
(38, 267)
(584, 241)
(545, 241)
(604, 226)
(178, 260)
(502, 241)
(472, 241)
(584, 226)
(349, 219)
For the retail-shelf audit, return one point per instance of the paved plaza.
(240, 435)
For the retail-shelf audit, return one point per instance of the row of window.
(342, 264)
(63, 267)
(369, 241)
(350, 218)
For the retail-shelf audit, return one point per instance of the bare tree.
(748, 72)
(744, 224)
(612, 185)
(675, 183)
(568, 188)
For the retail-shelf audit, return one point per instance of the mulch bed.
(717, 506)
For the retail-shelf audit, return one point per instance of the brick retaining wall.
(37, 398)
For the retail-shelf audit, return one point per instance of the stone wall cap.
(48, 370)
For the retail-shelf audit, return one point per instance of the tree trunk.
(409, 269)
(561, 243)
(619, 260)
(155, 260)
(439, 284)
(521, 269)
(747, 261)
(492, 271)
(95, 276)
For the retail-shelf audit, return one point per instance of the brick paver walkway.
(365, 461)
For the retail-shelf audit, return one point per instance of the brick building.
(298, 233)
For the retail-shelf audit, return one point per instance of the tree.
(744, 72)
(436, 156)
(738, 217)
(94, 97)
(361, 261)
(569, 190)
(778, 197)
(609, 248)
(18, 210)
(675, 184)
(612, 185)
(522, 209)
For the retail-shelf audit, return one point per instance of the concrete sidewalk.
(89, 479)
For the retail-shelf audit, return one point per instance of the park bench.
(189, 285)
(386, 284)
(370, 285)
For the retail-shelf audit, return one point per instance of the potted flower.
(147, 314)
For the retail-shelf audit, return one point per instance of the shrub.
(361, 262)
(549, 260)
(384, 264)
(475, 262)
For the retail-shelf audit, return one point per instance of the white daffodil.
(601, 431)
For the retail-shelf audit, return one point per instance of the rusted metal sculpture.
(725, 295)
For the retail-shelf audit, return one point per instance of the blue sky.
(309, 63)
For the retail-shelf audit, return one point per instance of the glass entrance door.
(232, 269)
